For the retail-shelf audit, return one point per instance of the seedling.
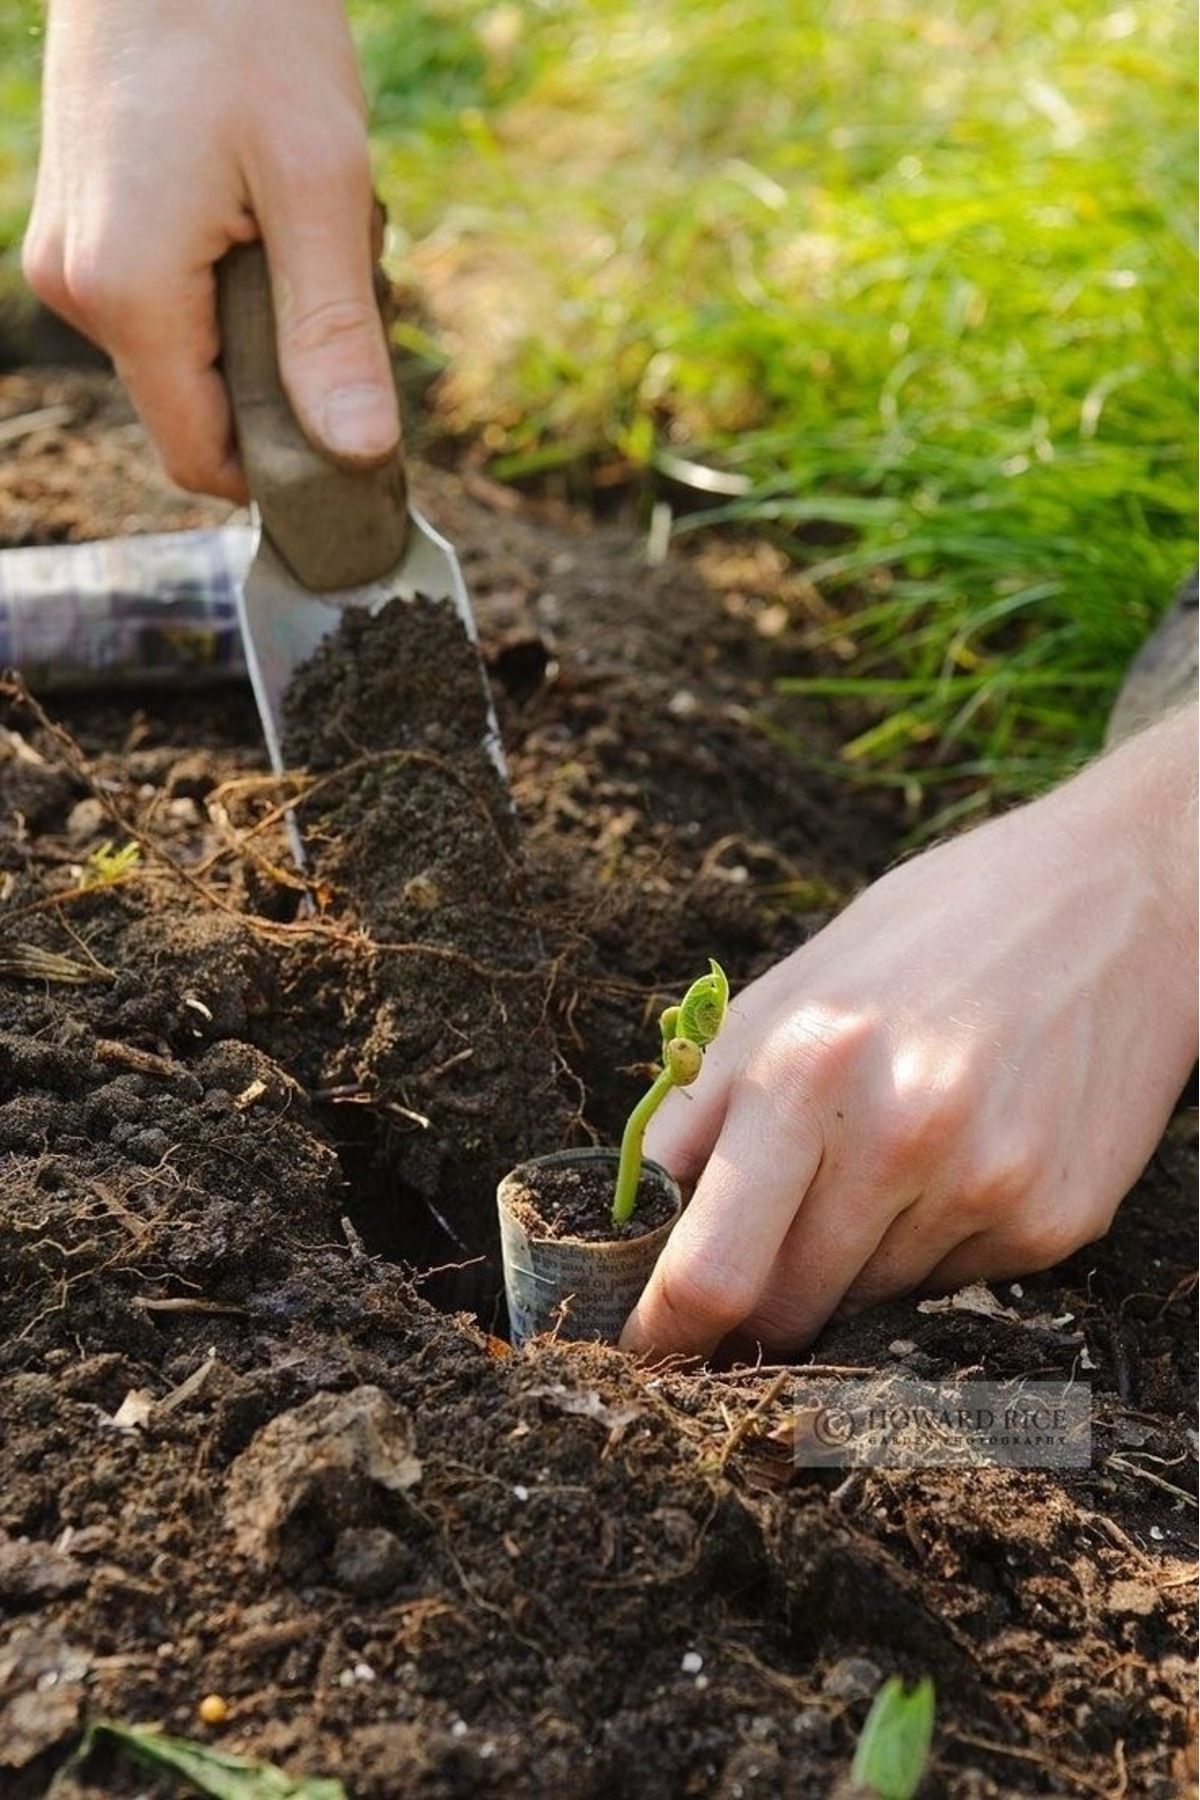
(687, 1030)
(106, 866)
(893, 1746)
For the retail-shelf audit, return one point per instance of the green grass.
(20, 59)
(920, 276)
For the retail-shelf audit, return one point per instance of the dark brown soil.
(564, 1201)
(413, 836)
(242, 1454)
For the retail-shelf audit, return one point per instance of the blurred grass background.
(916, 277)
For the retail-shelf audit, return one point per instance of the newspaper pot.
(576, 1287)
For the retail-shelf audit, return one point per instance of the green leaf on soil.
(214, 1772)
(106, 865)
(893, 1746)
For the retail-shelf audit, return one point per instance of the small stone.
(520, 1493)
(85, 820)
(183, 812)
(362, 1671)
(812, 1724)
(1017, 1291)
(692, 1662)
(32, 1573)
(422, 893)
(459, 1728)
(701, 1682)
(853, 1678)
(901, 1347)
(368, 1560)
(1157, 1533)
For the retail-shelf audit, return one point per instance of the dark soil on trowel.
(445, 1029)
(244, 1455)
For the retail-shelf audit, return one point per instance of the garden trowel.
(330, 537)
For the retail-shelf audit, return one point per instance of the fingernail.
(360, 421)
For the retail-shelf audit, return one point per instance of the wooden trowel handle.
(335, 527)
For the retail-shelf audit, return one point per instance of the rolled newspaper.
(126, 611)
(578, 1288)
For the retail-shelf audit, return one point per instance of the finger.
(836, 1234)
(318, 224)
(682, 1133)
(186, 411)
(917, 1240)
(719, 1257)
(1011, 1250)
(165, 351)
(42, 267)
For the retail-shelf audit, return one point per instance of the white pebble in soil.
(692, 1662)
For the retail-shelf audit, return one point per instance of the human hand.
(958, 1079)
(172, 132)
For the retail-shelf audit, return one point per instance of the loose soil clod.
(524, 1617)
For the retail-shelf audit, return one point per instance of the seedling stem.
(686, 1031)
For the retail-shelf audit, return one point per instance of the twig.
(756, 1412)
(796, 1369)
(1061, 1770)
(128, 1056)
(1117, 1461)
(182, 1304)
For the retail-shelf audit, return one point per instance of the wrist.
(1140, 803)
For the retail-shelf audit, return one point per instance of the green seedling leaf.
(893, 1746)
(687, 1029)
(214, 1772)
(105, 865)
(702, 1009)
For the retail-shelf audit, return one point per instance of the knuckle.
(315, 330)
(790, 1076)
(98, 286)
(187, 469)
(1000, 1182)
(1047, 1238)
(42, 267)
(907, 1135)
(703, 1299)
(330, 158)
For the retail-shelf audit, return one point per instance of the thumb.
(333, 356)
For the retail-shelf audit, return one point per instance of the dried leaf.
(29, 963)
(587, 1404)
(977, 1298)
(134, 1411)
